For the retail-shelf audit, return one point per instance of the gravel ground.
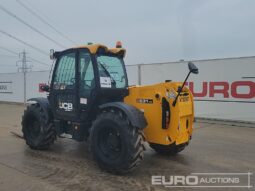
(68, 165)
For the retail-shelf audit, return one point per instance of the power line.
(8, 50)
(5, 55)
(39, 62)
(15, 53)
(7, 65)
(44, 21)
(23, 42)
(30, 26)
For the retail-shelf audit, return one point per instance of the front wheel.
(37, 129)
(116, 145)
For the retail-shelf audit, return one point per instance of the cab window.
(65, 72)
(111, 71)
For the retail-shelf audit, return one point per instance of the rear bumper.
(184, 130)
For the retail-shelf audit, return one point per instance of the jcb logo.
(66, 106)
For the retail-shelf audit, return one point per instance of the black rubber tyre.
(37, 128)
(172, 149)
(116, 145)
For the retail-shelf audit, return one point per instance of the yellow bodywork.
(181, 117)
(93, 48)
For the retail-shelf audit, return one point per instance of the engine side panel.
(149, 100)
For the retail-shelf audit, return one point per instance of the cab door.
(64, 92)
(87, 84)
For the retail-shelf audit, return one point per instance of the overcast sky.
(151, 31)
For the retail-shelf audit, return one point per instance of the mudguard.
(135, 116)
(44, 103)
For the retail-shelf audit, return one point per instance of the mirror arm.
(180, 89)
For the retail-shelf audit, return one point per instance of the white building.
(224, 88)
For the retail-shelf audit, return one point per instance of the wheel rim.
(109, 142)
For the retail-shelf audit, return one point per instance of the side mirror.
(52, 54)
(192, 68)
(45, 88)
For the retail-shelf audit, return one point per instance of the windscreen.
(111, 71)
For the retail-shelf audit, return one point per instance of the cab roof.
(94, 48)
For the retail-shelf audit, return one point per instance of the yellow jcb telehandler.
(89, 99)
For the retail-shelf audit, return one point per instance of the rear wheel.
(172, 149)
(37, 128)
(116, 145)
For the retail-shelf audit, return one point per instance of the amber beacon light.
(118, 44)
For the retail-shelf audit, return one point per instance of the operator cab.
(84, 78)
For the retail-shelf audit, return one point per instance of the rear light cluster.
(166, 114)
